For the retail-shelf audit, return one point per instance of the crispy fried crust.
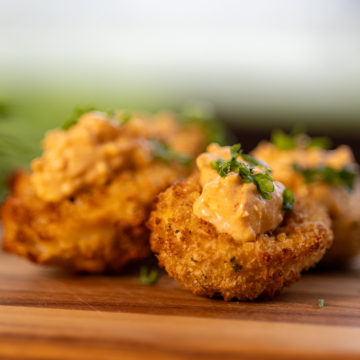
(346, 228)
(212, 264)
(85, 203)
(96, 230)
(343, 207)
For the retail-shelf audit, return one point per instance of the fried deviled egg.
(84, 204)
(326, 176)
(229, 230)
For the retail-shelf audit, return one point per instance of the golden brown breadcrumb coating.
(97, 230)
(343, 207)
(101, 226)
(213, 264)
(346, 228)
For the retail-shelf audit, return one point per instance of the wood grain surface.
(49, 314)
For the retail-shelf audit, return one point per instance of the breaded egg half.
(210, 259)
(85, 202)
(343, 205)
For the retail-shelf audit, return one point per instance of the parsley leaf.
(125, 117)
(224, 167)
(163, 152)
(263, 181)
(77, 113)
(348, 177)
(288, 200)
(283, 141)
(321, 303)
(296, 139)
(221, 166)
(308, 174)
(235, 150)
(344, 177)
(264, 185)
(148, 277)
(246, 173)
(254, 161)
(319, 142)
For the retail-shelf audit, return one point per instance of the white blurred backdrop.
(284, 58)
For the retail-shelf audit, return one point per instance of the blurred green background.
(262, 64)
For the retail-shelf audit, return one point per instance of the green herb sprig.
(78, 112)
(148, 277)
(288, 199)
(163, 152)
(296, 139)
(262, 180)
(344, 177)
(74, 118)
(125, 117)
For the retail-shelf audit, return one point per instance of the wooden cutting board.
(48, 314)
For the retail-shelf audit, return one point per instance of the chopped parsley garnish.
(321, 303)
(288, 199)
(222, 167)
(235, 150)
(283, 141)
(148, 277)
(254, 161)
(264, 185)
(296, 139)
(245, 172)
(263, 181)
(77, 113)
(163, 152)
(319, 142)
(344, 177)
(125, 117)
